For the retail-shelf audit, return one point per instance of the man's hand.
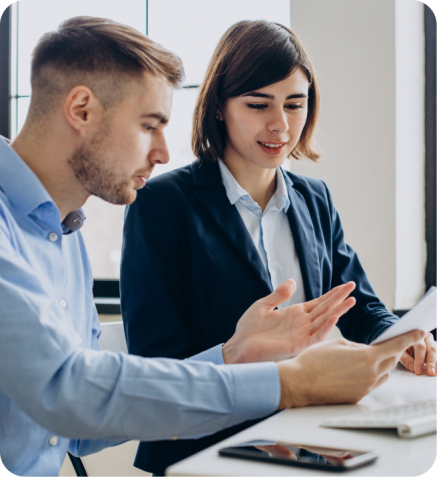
(266, 334)
(340, 371)
(422, 352)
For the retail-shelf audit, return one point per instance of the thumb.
(282, 293)
(396, 345)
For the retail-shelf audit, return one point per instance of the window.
(430, 146)
(190, 28)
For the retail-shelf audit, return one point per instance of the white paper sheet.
(420, 317)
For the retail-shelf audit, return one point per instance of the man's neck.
(47, 156)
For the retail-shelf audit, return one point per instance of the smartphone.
(300, 455)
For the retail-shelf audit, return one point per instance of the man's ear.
(82, 110)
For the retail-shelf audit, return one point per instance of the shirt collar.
(234, 191)
(25, 191)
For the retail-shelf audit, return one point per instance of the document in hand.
(420, 317)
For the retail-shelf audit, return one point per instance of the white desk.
(397, 456)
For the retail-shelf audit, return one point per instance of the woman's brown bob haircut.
(99, 53)
(250, 56)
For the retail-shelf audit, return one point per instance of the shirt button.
(63, 304)
(53, 237)
(53, 441)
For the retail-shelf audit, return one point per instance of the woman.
(204, 242)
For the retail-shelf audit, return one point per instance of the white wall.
(410, 153)
(364, 134)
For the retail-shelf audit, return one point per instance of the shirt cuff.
(257, 391)
(213, 355)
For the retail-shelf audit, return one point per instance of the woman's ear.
(219, 115)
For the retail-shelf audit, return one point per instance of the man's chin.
(119, 199)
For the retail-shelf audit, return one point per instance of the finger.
(310, 305)
(380, 381)
(338, 297)
(282, 293)
(398, 345)
(337, 311)
(419, 357)
(386, 365)
(324, 331)
(431, 354)
(407, 361)
(344, 290)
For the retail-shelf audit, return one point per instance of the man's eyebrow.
(255, 94)
(163, 119)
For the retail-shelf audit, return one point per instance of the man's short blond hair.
(98, 53)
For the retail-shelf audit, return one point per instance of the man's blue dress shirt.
(58, 391)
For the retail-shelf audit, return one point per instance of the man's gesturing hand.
(266, 334)
(340, 371)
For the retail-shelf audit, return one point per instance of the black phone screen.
(301, 455)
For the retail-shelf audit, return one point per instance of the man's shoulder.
(7, 220)
(4, 207)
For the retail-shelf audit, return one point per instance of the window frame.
(5, 66)
(430, 146)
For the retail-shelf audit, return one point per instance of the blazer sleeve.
(369, 317)
(151, 278)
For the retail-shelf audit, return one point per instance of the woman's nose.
(278, 122)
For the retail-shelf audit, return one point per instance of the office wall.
(371, 131)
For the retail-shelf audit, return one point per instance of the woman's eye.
(148, 128)
(257, 106)
(294, 106)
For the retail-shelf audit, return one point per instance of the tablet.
(300, 455)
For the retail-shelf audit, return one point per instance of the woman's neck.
(258, 182)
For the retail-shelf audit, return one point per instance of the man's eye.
(148, 128)
(257, 106)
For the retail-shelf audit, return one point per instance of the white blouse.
(270, 231)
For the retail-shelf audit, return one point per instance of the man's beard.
(89, 163)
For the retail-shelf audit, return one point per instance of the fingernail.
(431, 370)
(411, 367)
(419, 370)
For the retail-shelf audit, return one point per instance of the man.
(101, 96)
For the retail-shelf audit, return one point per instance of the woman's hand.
(423, 352)
(264, 333)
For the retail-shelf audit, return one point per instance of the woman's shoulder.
(306, 184)
(174, 178)
(173, 185)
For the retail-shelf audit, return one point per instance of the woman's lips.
(273, 151)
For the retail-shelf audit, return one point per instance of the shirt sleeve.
(90, 394)
(213, 355)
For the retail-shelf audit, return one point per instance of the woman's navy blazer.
(190, 270)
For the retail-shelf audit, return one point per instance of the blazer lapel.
(302, 228)
(226, 217)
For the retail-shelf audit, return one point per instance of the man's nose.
(159, 150)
